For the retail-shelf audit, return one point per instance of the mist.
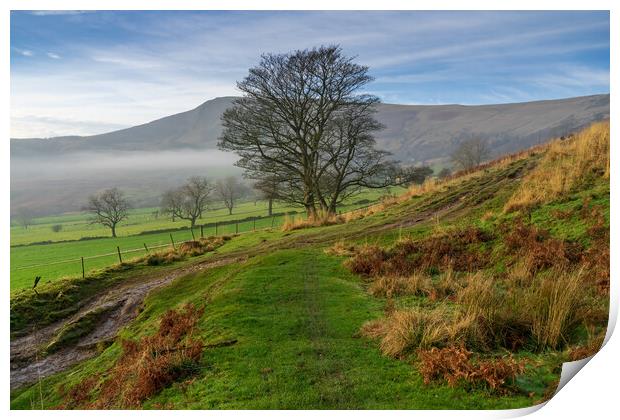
(51, 185)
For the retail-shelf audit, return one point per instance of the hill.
(413, 132)
(465, 293)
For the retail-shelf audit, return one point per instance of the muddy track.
(121, 303)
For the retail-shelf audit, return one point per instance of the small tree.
(24, 217)
(56, 228)
(229, 191)
(268, 188)
(444, 173)
(109, 208)
(471, 153)
(189, 201)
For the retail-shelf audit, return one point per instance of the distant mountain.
(414, 133)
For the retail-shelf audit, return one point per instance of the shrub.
(367, 261)
(541, 249)
(146, 366)
(56, 228)
(454, 364)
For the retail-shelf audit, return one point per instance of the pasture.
(39, 251)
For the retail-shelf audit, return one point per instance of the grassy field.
(57, 259)
(451, 296)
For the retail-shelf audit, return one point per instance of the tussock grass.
(321, 218)
(387, 286)
(565, 165)
(555, 305)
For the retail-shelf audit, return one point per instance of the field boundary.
(242, 226)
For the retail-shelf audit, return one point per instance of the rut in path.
(121, 302)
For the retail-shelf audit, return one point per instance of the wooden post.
(202, 234)
(118, 249)
(145, 247)
(236, 227)
(83, 274)
(172, 240)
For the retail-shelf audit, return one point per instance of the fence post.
(118, 249)
(83, 274)
(202, 235)
(172, 240)
(236, 227)
(145, 247)
(273, 218)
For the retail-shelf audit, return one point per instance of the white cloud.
(25, 53)
(53, 56)
(58, 12)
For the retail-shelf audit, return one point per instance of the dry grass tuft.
(407, 330)
(321, 218)
(186, 249)
(555, 304)
(386, 286)
(565, 165)
(341, 249)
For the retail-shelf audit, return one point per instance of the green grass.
(295, 315)
(50, 259)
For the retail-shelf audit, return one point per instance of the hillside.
(468, 293)
(413, 132)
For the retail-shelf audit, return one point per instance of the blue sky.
(87, 73)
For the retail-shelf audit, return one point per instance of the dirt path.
(120, 302)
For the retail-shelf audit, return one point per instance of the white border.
(592, 394)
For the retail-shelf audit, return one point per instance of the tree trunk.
(113, 231)
(230, 211)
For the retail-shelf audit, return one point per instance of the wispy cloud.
(126, 68)
(58, 12)
(25, 53)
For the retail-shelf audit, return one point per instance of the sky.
(83, 73)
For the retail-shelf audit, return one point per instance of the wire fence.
(85, 264)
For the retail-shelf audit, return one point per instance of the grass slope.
(296, 312)
(297, 344)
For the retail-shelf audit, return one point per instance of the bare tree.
(471, 153)
(189, 201)
(229, 191)
(24, 217)
(300, 120)
(109, 208)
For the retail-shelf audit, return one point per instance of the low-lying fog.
(55, 184)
